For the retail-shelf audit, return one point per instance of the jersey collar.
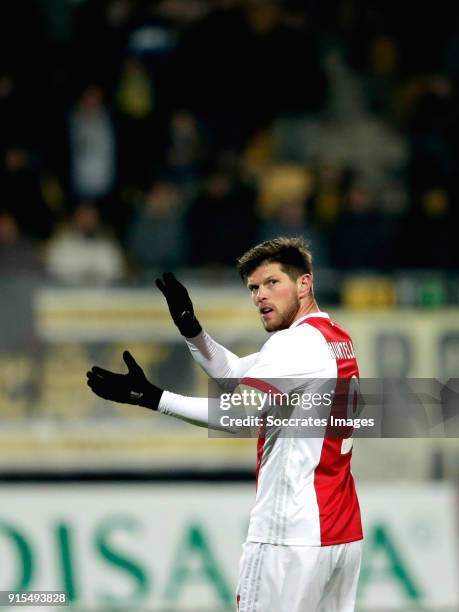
(322, 315)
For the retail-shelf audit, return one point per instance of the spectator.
(381, 80)
(324, 203)
(184, 153)
(21, 194)
(363, 237)
(92, 147)
(135, 101)
(433, 128)
(18, 254)
(289, 219)
(431, 222)
(83, 253)
(221, 221)
(156, 237)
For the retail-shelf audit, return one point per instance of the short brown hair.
(293, 254)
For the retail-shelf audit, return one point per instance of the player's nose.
(259, 296)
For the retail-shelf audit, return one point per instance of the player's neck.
(308, 308)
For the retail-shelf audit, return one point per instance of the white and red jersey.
(305, 489)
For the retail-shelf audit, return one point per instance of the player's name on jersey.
(293, 422)
(341, 350)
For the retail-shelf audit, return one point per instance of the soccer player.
(303, 549)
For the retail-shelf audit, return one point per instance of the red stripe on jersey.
(261, 385)
(260, 446)
(339, 511)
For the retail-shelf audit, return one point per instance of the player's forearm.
(194, 410)
(216, 360)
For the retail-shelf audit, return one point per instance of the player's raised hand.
(130, 388)
(180, 305)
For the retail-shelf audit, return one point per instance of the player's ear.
(304, 284)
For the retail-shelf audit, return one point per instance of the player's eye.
(273, 281)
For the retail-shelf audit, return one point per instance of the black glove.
(130, 388)
(180, 305)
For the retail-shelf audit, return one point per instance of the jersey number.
(354, 408)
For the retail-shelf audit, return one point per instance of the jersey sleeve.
(216, 360)
(200, 411)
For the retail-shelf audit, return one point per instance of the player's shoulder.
(328, 328)
(298, 335)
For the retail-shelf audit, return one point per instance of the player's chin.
(271, 326)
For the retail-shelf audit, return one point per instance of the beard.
(283, 319)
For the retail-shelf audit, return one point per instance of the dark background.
(177, 133)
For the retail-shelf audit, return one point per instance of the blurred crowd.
(143, 135)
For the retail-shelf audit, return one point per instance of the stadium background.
(142, 136)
